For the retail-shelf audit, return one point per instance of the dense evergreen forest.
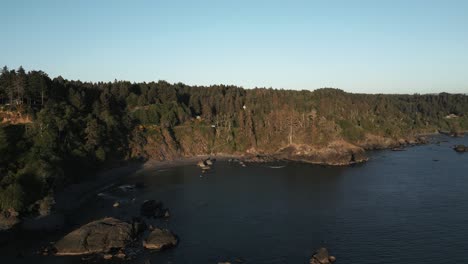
(55, 132)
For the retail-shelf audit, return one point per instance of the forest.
(55, 132)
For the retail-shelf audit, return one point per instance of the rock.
(48, 250)
(203, 165)
(138, 226)
(43, 216)
(53, 221)
(153, 208)
(107, 256)
(45, 206)
(461, 148)
(457, 134)
(206, 164)
(372, 142)
(338, 152)
(167, 214)
(398, 149)
(160, 239)
(8, 219)
(121, 255)
(453, 133)
(100, 236)
(321, 257)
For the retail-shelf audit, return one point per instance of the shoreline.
(75, 195)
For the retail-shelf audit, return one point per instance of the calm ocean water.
(400, 207)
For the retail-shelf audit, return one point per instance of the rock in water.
(321, 257)
(160, 239)
(167, 214)
(99, 236)
(461, 148)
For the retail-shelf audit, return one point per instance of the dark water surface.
(400, 207)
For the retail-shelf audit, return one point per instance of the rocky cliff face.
(184, 142)
(200, 139)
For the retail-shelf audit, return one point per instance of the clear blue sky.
(358, 46)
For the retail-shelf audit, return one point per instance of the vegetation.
(55, 132)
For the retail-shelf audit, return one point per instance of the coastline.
(75, 195)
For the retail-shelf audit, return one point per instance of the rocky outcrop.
(452, 133)
(153, 208)
(206, 163)
(336, 153)
(100, 236)
(321, 257)
(373, 142)
(461, 148)
(160, 239)
(8, 219)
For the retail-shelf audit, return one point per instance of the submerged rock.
(398, 149)
(100, 236)
(160, 239)
(138, 226)
(153, 208)
(321, 257)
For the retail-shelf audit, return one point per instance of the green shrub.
(12, 196)
(350, 131)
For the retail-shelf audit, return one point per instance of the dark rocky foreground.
(110, 237)
(100, 236)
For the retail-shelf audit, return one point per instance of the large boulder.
(152, 208)
(99, 236)
(321, 257)
(160, 239)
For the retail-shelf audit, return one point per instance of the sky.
(381, 46)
